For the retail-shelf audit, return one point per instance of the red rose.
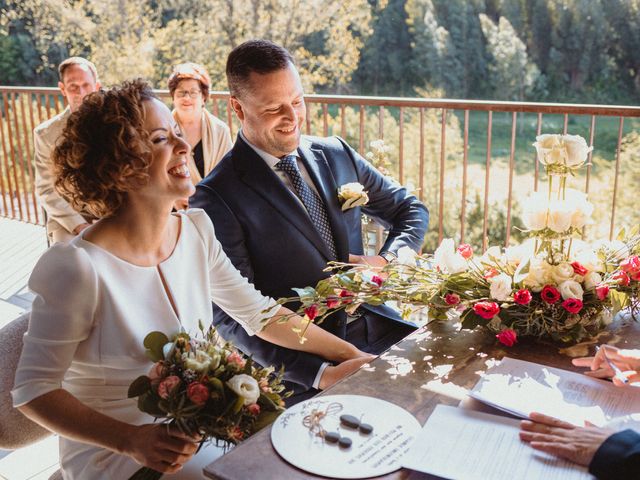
(167, 386)
(631, 264)
(635, 276)
(452, 299)
(579, 269)
(550, 294)
(622, 278)
(522, 297)
(486, 310)
(377, 279)
(490, 273)
(198, 393)
(311, 311)
(332, 302)
(254, 409)
(602, 291)
(507, 337)
(346, 296)
(465, 250)
(572, 305)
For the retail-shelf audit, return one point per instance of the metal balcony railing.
(465, 159)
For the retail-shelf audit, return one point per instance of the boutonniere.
(352, 195)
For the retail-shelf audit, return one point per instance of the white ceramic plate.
(394, 430)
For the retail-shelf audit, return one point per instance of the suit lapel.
(320, 173)
(257, 175)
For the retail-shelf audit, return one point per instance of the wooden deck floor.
(21, 245)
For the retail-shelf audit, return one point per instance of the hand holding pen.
(621, 366)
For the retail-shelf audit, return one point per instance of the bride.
(140, 268)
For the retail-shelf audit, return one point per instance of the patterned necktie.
(310, 200)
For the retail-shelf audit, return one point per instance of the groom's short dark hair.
(259, 56)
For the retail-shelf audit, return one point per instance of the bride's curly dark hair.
(104, 151)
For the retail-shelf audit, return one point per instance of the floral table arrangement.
(205, 388)
(553, 285)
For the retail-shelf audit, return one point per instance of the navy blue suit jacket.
(269, 237)
(618, 458)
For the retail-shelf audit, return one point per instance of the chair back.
(16, 430)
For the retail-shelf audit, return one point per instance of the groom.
(274, 204)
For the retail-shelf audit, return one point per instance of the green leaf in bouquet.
(619, 300)
(248, 366)
(622, 234)
(266, 418)
(471, 320)
(139, 386)
(375, 301)
(324, 288)
(306, 294)
(148, 403)
(266, 402)
(154, 343)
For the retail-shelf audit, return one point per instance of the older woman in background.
(208, 136)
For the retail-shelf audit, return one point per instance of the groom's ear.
(237, 107)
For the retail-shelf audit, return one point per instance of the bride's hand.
(163, 449)
(333, 374)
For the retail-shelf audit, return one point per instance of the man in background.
(78, 78)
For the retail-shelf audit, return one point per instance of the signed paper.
(520, 387)
(378, 453)
(465, 445)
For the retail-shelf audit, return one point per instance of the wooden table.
(436, 364)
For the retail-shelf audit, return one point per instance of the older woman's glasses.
(188, 93)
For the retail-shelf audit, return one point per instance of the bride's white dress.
(91, 313)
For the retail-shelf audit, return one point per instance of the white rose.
(246, 386)
(571, 289)
(584, 254)
(560, 215)
(534, 214)
(516, 254)
(550, 149)
(500, 287)
(539, 275)
(562, 272)
(577, 150)
(582, 208)
(198, 362)
(448, 259)
(494, 252)
(407, 256)
(591, 280)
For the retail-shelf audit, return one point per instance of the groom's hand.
(371, 260)
(333, 374)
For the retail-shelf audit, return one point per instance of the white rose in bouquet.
(582, 208)
(491, 255)
(516, 254)
(448, 259)
(560, 215)
(245, 386)
(562, 272)
(535, 211)
(571, 289)
(539, 275)
(500, 287)
(550, 149)
(591, 280)
(584, 254)
(577, 150)
(407, 256)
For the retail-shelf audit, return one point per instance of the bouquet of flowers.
(206, 388)
(553, 285)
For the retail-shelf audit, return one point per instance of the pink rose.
(507, 337)
(631, 265)
(465, 250)
(550, 294)
(236, 358)
(452, 299)
(579, 269)
(235, 433)
(377, 279)
(264, 385)
(572, 305)
(167, 386)
(198, 393)
(156, 371)
(602, 291)
(332, 302)
(622, 279)
(486, 310)
(254, 409)
(522, 297)
(311, 312)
